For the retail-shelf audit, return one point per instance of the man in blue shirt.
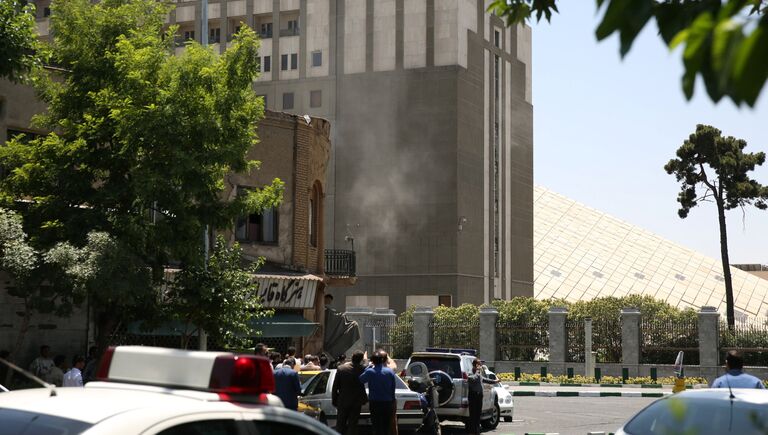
(287, 385)
(734, 376)
(381, 393)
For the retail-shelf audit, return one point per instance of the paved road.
(565, 415)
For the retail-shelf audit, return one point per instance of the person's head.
(275, 357)
(341, 359)
(734, 360)
(58, 361)
(476, 364)
(260, 349)
(380, 357)
(290, 362)
(323, 360)
(307, 358)
(78, 362)
(45, 350)
(291, 351)
(328, 299)
(357, 357)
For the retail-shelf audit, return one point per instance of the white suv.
(449, 369)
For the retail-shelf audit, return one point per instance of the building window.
(288, 101)
(497, 38)
(189, 35)
(293, 27)
(317, 58)
(266, 30)
(267, 64)
(214, 35)
(294, 61)
(258, 227)
(444, 300)
(315, 98)
(284, 62)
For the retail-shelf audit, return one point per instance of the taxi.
(149, 390)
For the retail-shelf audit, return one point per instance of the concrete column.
(709, 335)
(488, 348)
(361, 315)
(558, 340)
(589, 363)
(421, 319)
(630, 339)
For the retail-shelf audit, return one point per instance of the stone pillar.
(361, 315)
(421, 319)
(709, 346)
(381, 316)
(589, 363)
(488, 347)
(630, 340)
(558, 340)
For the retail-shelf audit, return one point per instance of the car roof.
(751, 395)
(437, 354)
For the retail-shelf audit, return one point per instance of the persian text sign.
(286, 292)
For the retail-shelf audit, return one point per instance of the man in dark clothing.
(381, 393)
(287, 385)
(348, 394)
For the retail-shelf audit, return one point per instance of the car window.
(274, 428)
(318, 384)
(32, 423)
(450, 366)
(700, 416)
(204, 427)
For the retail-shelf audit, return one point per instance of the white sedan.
(316, 402)
(506, 404)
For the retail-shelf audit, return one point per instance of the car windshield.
(25, 422)
(700, 416)
(450, 366)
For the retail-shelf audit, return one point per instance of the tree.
(19, 39)
(141, 141)
(218, 297)
(713, 168)
(726, 42)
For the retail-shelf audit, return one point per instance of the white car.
(714, 411)
(506, 404)
(316, 402)
(146, 390)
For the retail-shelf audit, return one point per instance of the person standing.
(734, 376)
(381, 393)
(287, 385)
(348, 394)
(475, 383)
(89, 373)
(74, 377)
(57, 372)
(43, 364)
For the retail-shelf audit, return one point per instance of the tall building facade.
(431, 174)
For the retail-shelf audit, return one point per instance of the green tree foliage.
(725, 42)
(18, 36)
(217, 297)
(713, 168)
(141, 141)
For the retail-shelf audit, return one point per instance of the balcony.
(290, 32)
(340, 267)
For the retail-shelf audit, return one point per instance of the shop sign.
(286, 292)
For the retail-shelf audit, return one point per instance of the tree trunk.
(726, 266)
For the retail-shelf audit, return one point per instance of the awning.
(285, 325)
(290, 291)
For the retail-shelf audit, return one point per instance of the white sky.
(604, 128)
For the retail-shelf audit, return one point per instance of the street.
(565, 415)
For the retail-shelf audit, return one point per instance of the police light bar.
(219, 372)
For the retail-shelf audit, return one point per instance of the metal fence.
(455, 334)
(750, 337)
(392, 335)
(606, 340)
(662, 340)
(520, 341)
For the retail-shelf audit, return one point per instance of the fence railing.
(395, 337)
(662, 340)
(340, 263)
(519, 341)
(453, 334)
(749, 337)
(606, 340)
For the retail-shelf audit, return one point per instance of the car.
(147, 390)
(506, 403)
(3, 389)
(703, 412)
(315, 401)
(449, 369)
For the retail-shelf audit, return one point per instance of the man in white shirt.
(74, 377)
(43, 364)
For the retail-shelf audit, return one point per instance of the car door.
(317, 395)
(488, 394)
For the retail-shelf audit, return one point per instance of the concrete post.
(558, 340)
(361, 315)
(421, 319)
(709, 345)
(589, 363)
(380, 317)
(630, 340)
(488, 348)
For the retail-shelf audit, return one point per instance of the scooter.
(426, 388)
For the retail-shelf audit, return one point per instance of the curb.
(588, 394)
(551, 384)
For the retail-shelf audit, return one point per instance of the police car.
(148, 390)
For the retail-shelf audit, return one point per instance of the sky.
(605, 127)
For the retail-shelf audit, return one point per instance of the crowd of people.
(58, 370)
